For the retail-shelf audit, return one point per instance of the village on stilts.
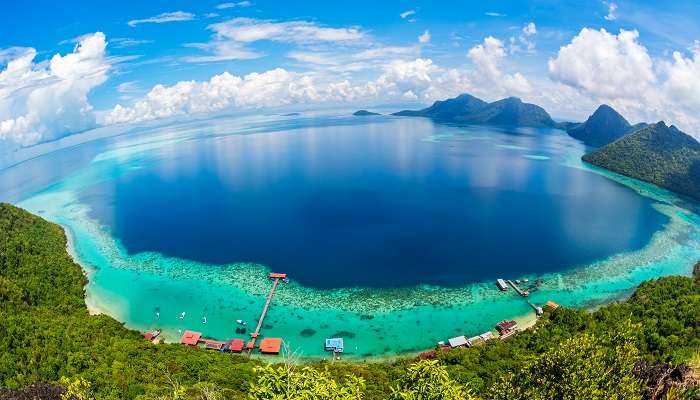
(335, 345)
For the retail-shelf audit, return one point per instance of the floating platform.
(501, 284)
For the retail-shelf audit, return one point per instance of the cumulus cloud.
(163, 18)
(47, 100)
(424, 37)
(419, 79)
(487, 58)
(617, 69)
(604, 64)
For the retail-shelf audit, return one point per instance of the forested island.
(468, 109)
(647, 347)
(659, 154)
(654, 153)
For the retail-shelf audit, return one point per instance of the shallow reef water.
(375, 322)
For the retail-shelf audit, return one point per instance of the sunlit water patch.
(648, 232)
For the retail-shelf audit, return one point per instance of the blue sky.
(320, 52)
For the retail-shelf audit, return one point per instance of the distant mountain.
(605, 126)
(448, 109)
(364, 113)
(656, 153)
(469, 109)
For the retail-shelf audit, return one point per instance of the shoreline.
(96, 306)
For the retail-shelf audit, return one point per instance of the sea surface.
(392, 230)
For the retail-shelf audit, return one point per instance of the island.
(364, 113)
(604, 126)
(468, 109)
(658, 154)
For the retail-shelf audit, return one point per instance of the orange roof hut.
(270, 345)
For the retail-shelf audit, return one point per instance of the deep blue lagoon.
(386, 202)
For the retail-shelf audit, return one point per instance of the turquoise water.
(374, 321)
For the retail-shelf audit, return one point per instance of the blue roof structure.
(334, 344)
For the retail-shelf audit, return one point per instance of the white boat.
(241, 322)
(182, 315)
(204, 320)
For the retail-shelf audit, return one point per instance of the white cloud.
(127, 87)
(530, 29)
(120, 43)
(223, 91)
(604, 64)
(48, 100)
(682, 86)
(221, 51)
(494, 14)
(424, 37)
(487, 58)
(162, 18)
(524, 40)
(347, 61)
(618, 70)
(231, 37)
(407, 14)
(247, 30)
(417, 79)
(224, 6)
(612, 8)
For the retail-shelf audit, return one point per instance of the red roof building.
(270, 345)
(277, 275)
(505, 326)
(190, 338)
(236, 345)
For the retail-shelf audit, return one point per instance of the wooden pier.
(276, 277)
(523, 293)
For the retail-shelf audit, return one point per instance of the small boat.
(204, 320)
(182, 315)
(241, 322)
(285, 280)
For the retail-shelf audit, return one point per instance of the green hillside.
(658, 154)
(47, 336)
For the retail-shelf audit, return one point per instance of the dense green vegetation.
(604, 126)
(657, 154)
(46, 335)
(471, 110)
